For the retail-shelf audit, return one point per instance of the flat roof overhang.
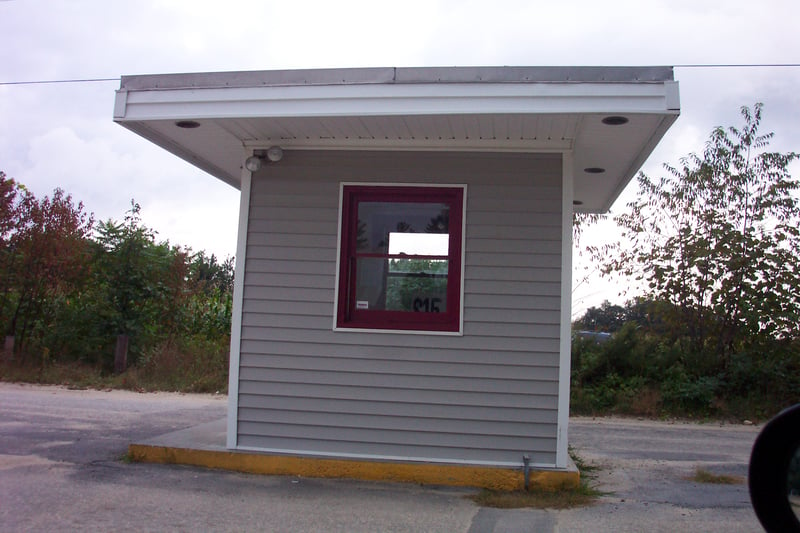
(492, 109)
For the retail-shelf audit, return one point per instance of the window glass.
(419, 243)
(411, 285)
(378, 220)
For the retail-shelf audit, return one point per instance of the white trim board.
(236, 311)
(562, 440)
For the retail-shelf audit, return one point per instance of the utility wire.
(687, 65)
(44, 82)
(738, 65)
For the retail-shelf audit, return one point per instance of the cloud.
(63, 135)
(183, 204)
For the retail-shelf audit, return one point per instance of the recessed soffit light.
(187, 124)
(594, 170)
(615, 120)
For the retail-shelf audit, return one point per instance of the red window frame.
(347, 315)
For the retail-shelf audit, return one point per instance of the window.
(400, 264)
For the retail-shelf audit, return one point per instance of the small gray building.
(403, 273)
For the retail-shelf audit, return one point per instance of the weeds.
(702, 475)
(640, 372)
(585, 494)
(191, 365)
(536, 499)
(188, 367)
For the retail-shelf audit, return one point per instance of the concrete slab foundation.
(204, 446)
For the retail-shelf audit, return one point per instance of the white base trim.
(395, 458)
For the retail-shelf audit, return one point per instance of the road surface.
(62, 468)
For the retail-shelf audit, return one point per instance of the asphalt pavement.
(62, 468)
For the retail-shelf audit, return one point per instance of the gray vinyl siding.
(488, 396)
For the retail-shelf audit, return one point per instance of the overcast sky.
(62, 135)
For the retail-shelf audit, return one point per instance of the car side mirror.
(774, 473)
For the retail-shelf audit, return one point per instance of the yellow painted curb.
(423, 473)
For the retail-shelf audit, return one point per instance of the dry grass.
(72, 375)
(702, 475)
(646, 403)
(166, 368)
(584, 495)
(536, 499)
(196, 367)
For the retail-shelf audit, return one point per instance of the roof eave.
(352, 98)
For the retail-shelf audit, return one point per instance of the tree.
(607, 318)
(207, 310)
(645, 314)
(140, 282)
(717, 238)
(209, 275)
(44, 256)
(10, 193)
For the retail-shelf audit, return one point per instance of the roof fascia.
(390, 75)
(392, 100)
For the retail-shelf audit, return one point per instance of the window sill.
(459, 333)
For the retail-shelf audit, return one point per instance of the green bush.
(643, 369)
(767, 376)
(611, 394)
(684, 394)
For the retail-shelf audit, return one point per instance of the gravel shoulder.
(645, 466)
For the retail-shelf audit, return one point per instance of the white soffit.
(519, 109)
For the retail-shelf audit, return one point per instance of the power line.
(738, 65)
(685, 65)
(45, 82)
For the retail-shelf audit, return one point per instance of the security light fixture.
(256, 161)
(275, 154)
(253, 163)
